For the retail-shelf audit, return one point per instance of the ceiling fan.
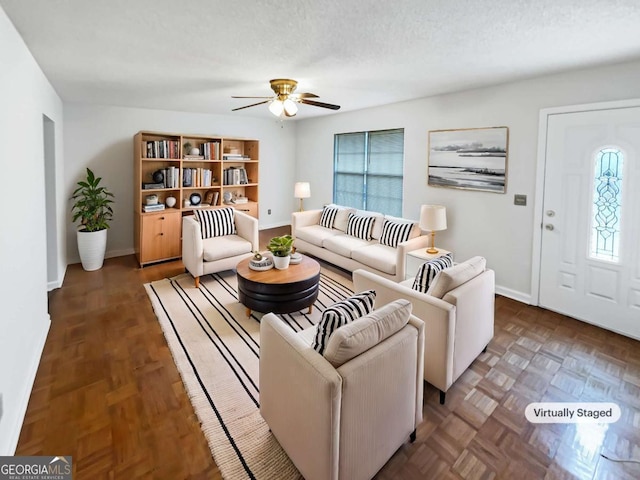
(285, 101)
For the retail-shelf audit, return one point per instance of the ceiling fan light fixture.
(290, 107)
(276, 107)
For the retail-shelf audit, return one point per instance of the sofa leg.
(197, 279)
(484, 350)
(412, 437)
(442, 395)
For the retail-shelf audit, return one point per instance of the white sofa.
(351, 253)
(203, 256)
(458, 326)
(343, 414)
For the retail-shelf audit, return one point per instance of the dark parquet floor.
(108, 393)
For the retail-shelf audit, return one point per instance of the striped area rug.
(216, 349)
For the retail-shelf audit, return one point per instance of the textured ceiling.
(192, 55)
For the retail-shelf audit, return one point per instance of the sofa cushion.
(344, 244)
(415, 230)
(376, 230)
(380, 257)
(359, 226)
(453, 277)
(315, 234)
(340, 314)
(357, 337)
(428, 271)
(342, 217)
(216, 248)
(394, 232)
(216, 222)
(328, 216)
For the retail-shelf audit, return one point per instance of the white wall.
(25, 96)
(479, 223)
(101, 138)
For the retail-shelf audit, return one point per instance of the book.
(153, 208)
(152, 186)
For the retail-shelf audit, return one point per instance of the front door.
(590, 251)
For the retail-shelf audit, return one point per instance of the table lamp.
(433, 218)
(302, 190)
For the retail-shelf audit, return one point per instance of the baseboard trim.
(275, 225)
(514, 294)
(118, 253)
(14, 432)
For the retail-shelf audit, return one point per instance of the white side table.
(415, 258)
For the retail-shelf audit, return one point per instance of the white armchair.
(343, 420)
(203, 256)
(458, 327)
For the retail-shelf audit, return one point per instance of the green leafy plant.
(92, 204)
(280, 246)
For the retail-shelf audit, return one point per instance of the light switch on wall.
(519, 199)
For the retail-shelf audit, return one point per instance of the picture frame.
(469, 159)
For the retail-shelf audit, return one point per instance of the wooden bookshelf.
(223, 166)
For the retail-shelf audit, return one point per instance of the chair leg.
(442, 395)
(412, 437)
(197, 279)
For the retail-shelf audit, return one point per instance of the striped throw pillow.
(428, 271)
(360, 226)
(216, 222)
(328, 216)
(340, 314)
(394, 233)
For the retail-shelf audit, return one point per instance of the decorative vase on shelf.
(170, 202)
(194, 151)
(281, 263)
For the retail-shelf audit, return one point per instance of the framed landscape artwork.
(469, 158)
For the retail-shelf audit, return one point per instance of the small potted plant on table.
(280, 247)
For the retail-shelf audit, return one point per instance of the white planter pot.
(281, 262)
(92, 246)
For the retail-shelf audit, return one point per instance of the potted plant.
(92, 206)
(280, 248)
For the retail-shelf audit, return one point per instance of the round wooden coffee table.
(279, 291)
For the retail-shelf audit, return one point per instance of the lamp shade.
(276, 107)
(290, 107)
(433, 218)
(302, 190)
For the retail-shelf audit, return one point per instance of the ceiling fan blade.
(249, 97)
(252, 105)
(320, 104)
(304, 95)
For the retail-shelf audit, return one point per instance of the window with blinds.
(367, 170)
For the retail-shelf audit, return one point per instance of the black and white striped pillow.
(216, 222)
(428, 271)
(328, 216)
(394, 233)
(360, 226)
(340, 314)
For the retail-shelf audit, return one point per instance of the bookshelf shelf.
(185, 173)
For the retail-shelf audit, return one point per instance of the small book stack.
(153, 208)
(265, 263)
